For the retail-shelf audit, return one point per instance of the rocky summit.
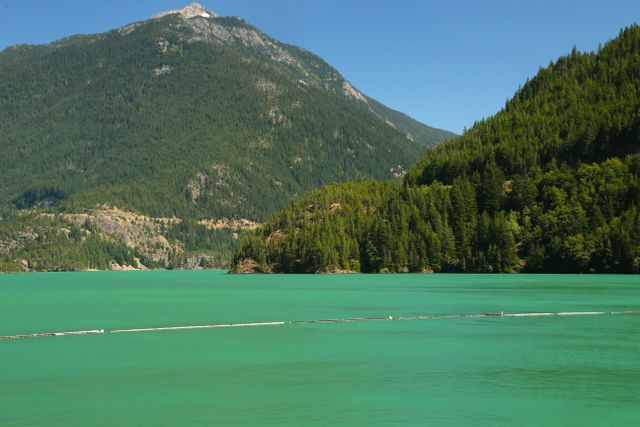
(190, 11)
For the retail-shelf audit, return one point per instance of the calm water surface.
(487, 371)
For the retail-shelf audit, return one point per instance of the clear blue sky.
(447, 63)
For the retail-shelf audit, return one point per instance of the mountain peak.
(192, 10)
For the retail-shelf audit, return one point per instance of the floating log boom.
(501, 314)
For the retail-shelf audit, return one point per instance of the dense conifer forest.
(176, 118)
(549, 184)
(160, 119)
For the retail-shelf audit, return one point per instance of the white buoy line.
(177, 328)
(307, 322)
(52, 334)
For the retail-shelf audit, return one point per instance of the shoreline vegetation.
(550, 184)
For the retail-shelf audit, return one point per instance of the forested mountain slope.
(186, 115)
(549, 184)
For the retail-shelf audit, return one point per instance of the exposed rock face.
(308, 69)
(225, 223)
(165, 69)
(21, 239)
(196, 261)
(236, 32)
(352, 92)
(398, 172)
(128, 29)
(149, 236)
(267, 87)
(163, 45)
(248, 266)
(341, 271)
(195, 187)
(132, 229)
(190, 11)
(117, 267)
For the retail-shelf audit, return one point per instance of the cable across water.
(389, 318)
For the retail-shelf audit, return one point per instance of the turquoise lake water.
(487, 371)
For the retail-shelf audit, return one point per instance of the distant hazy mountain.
(185, 115)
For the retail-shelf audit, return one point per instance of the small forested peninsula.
(549, 184)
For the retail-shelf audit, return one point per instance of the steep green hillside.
(187, 116)
(549, 184)
(203, 116)
(154, 121)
